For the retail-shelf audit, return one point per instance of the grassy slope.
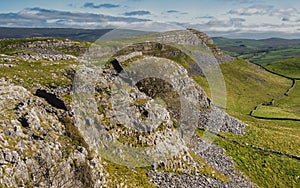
(265, 169)
(277, 111)
(247, 86)
(287, 107)
(289, 67)
(292, 101)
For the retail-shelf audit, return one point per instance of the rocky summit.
(120, 113)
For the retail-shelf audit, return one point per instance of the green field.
(265, 51)
(268, 57)
(247, 86)
(287, 107)
(276, 112)
(289, 67)
(264, 169)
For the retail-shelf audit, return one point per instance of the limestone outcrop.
(144, 96)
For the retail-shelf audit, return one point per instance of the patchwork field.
(263, 52)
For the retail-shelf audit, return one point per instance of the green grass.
(249, 85)
(287, 107)
(276, 112)
(272, 134)
(292, 101)
(263, 168)
(37, 72)
(203, 83)
(130, 177)
(289, 67)
(269, 57)
(33, 74)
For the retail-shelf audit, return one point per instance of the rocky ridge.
(41, 146)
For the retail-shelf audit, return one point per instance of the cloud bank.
(286, 14)
(234, 24)
(38, 17)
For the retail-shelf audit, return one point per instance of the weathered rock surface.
(217, 120)
(34, 149)
(160, 108)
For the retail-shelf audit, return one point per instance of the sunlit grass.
(289, 67)
(35, 73)
(286, 107)
(249, 85)
(263, 168)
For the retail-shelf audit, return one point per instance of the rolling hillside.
(264, 51)
(277, 128)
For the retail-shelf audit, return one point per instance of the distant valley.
(263, 51)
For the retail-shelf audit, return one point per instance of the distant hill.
(73, 34)
(264, 51)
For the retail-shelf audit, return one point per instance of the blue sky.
(230, 18)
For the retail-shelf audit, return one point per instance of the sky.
(228, 18)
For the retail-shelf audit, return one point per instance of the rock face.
(144, 97)
(34, 151)
(219, 54)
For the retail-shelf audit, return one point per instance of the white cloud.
(38, 17)
(234, 27)
(227, 22)
(227, 25)
(253, 10)
(282, 12)
(287, 14)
